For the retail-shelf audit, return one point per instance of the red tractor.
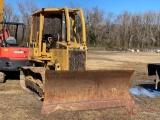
(12, 55)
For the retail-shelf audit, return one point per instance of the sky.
(114, 6)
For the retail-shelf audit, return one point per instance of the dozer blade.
(90, 89)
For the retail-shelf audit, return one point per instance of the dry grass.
(19, 105)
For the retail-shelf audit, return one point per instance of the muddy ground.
(17, 104)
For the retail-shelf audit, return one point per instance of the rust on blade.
(82, 90)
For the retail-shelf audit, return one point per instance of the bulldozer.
(58, 73)
(1, 11)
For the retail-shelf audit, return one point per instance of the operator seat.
(11, 41)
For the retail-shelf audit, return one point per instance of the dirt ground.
(17, 104)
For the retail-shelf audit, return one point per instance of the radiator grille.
(77, 60)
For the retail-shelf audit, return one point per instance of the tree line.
(124, 31)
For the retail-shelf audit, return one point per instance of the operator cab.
(12, 34)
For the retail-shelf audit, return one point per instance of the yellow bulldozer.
(1, 12)
(59, 75)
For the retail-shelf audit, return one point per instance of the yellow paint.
(57, 55)
(1, 12)
(5, 49)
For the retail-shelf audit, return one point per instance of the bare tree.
(26, 9)
(126, 30)
(10, 13)
(96, 25)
